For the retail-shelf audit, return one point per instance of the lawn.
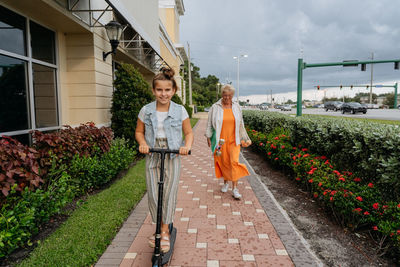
(83, 238)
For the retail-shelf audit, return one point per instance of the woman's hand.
(144, 149)
(184, 150)
(245, 143)
(209, 142)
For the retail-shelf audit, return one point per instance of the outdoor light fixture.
(114, 31)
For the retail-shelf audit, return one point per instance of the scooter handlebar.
(163, 150)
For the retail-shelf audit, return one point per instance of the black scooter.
(159, 258)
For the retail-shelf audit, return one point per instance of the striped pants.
(172, 169)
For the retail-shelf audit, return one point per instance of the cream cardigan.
(215, 119)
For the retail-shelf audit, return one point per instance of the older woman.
(225, 121)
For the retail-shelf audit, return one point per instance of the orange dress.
(227, 164)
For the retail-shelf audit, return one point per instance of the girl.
(160, 125)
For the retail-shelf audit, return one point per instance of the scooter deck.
(167, 256)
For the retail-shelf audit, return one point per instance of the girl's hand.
(184, 150)
(209, 142)
(144, 149)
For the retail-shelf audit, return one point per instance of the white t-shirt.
(161, 116)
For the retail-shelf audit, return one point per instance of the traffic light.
(318, 87)
(396, 65)
(364, 67)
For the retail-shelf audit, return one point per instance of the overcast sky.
(275, 33)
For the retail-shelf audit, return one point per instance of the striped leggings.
(172, 169)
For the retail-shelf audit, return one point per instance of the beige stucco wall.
(169, 18)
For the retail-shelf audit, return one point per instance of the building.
(52, 70)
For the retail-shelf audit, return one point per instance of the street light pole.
(218, 84)
(238, 71)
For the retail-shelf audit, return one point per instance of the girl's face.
(163, 91)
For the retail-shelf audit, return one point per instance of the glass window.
(44, 88)
(12, 32)
(14, 97)
(42, 42)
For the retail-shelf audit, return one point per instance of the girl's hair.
(165, 74)
(228, 88)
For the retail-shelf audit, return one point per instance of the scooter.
(159, 258)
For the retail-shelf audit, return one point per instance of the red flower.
(357, 179)
(398, 232)
(375, 228)
(261, 144)
(366, 213)
(358, 209)
(269, 153)
(371, 185)
(306, 155)
(333, 192)
(294, 163)
(294, 158)
(342, 179)
(294, 148)
(320, 184)
(331, 199)
(282, 147)
(276, 158)
(297, 178)
(310, 181)
(336, 172)
(323, 157)
(276, 138)
(315, 195)
(359, 198)
(304, 149)
(398, 206)
(326, 162)
(375, 205)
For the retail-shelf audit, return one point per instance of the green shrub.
(354, 202)
(177, 100)
(131, 93)
(371, 150)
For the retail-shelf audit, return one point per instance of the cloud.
(276, 33)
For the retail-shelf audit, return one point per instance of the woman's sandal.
(165, 245)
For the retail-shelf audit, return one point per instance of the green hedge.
(371, 150)
(23, 212)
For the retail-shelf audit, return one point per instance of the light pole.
(218, 84)
(238, 70)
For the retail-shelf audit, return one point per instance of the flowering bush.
(354, 202)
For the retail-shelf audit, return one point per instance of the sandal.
(164, 244)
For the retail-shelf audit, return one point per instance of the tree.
(131, 93)
(389, 100)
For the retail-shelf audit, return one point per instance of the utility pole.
(372, 75)
(190, 77)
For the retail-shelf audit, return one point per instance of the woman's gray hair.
(228, 88)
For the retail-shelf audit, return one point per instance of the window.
(28, 76)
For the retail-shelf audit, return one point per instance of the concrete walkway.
(213, 228)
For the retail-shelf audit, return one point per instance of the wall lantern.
(114, 31)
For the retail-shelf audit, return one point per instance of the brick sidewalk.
(213, 228)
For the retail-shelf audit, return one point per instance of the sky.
(275, 33)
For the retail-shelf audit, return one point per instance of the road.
(380, 114)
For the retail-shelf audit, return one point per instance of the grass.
(83, 238)
(359, 119)
(193, 122)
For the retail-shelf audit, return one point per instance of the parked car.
(286, 108)
(278, 106)
(398, 106)
(353, 107)
(333, 105)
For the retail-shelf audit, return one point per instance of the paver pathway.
(213, 228)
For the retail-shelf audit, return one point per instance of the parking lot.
(380, 114)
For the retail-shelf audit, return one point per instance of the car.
(398, 106)
(277, 106)
(333, 105)
(286, 108)
(353, 107)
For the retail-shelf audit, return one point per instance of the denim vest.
(172, 125)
